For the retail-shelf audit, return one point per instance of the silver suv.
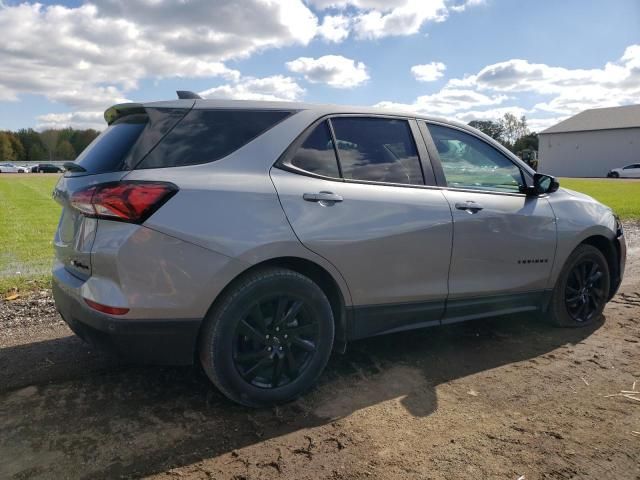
(258, 237)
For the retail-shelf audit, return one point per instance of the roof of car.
(324, 109)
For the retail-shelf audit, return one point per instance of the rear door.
(371, 215)
(503, 241)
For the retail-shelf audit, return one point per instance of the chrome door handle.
(322, 197)
(469, 206)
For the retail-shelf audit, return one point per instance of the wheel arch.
(319, 275)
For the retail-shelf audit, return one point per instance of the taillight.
(106, 308)
(127, 201)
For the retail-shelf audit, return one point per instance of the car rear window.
(107, 151)
(208, 135)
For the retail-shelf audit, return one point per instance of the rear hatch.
(132, 133)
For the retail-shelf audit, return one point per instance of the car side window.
(630, 167)
(377, 149)
(317, 154)
(469, 162)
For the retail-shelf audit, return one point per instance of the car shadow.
(102, 419)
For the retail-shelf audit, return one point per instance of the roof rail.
(186, 94)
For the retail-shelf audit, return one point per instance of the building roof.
(599, 119)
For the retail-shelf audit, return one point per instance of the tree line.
(28, 145)
(510, 131)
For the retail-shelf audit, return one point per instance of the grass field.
(28, 219)
(623, 196)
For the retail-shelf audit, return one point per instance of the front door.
(503, 241)
(372, 217)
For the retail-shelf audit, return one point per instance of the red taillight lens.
(105, 308)
(125, 201)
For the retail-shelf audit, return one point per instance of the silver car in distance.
(258, 237)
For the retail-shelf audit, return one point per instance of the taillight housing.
(127, 201)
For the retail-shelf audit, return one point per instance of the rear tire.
(268, 337)
(582, 289)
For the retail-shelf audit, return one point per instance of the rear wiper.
(74, 167)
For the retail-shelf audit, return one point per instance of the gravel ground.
(499, 398)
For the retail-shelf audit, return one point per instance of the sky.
(63, 63)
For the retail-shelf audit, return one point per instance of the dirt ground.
(508, 398)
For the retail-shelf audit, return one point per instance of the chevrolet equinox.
(258, 237)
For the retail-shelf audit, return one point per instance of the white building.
(591, 143)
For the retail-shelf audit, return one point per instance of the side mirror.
(542, 184)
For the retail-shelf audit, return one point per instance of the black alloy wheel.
(268, 337)
(275, 341)
(584, 290)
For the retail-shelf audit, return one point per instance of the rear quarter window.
(208, 135)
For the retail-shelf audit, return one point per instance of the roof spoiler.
(112, 114)
(188, 95)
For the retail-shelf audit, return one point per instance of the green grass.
(28, 219)
(623, 196)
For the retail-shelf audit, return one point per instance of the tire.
(584, 280)
(615, 175)
(245, 349)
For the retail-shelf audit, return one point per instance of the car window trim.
(526, 177)
(428, 176)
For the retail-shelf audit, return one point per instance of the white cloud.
(89, 57)
(334, 70)
(570, 90)
(461, 5)
(335, 28)
(381, 18)
(563, 91)
(276, 87)
(428, 72)
(80, 120)
(447, 102)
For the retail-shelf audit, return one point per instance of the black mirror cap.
(543, 184)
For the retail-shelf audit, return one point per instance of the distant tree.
(36, 152)
(18, 148)
(488, 127)
(513, 129)
(6, 150)
(526, 142)
(29, 137)
(65, 151)
(50, 141)
(82, 138)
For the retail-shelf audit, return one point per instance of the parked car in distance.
(24, 169)
(258, 237)
(46, 168)
(8, 168)
(630, 171)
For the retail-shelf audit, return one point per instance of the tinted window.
(629, 167)
(107, 151)
(377, 149)
(469, 162)
(207, 135)
(316, 154)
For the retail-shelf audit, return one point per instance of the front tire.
(582, 289)
(615, 175)
(268, 337)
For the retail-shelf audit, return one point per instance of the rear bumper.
(149, 341)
